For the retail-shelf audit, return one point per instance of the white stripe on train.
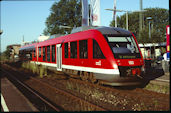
(80, 68)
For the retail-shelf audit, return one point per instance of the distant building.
(14, 50)
(154, 47)
(43, 38)
(25, 43)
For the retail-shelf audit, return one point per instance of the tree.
(5, 54)
(143, 37)
(160, 18)
(65, 13)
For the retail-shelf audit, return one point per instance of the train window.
(53, 53)
(123, 47)
(39, 52)
(66, 50)
(97, 53)
(73, 49)
(44, 53)
(34, 51)
(30, 56)
(83, 49)
(48, 53)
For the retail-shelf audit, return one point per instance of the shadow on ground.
(151, 74)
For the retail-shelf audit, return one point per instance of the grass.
(158, 88)
(35, 69)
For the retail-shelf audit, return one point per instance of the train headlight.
(142, 68)
(115, 66)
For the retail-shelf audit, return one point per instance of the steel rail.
(30, 90)
(66, 93)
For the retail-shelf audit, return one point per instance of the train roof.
(81, 33)
(28, 47)
(114, 31)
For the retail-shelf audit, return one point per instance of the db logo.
(98, 63)
(131, 62)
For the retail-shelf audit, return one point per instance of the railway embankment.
(105, 97)
(159, 80)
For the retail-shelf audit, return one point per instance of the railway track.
(51, 106)
(112, 98)
(96, 97)
(37, 99)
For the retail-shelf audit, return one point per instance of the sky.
(27, 18)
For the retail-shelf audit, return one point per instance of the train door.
(59, 57)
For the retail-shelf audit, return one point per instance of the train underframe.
(123, 78)
(107, 79)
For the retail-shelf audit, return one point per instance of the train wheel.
(97, 82)
(84, 76)
(92, 78)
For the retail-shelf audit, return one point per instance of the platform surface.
(12, 100)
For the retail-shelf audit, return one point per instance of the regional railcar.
(110, 55)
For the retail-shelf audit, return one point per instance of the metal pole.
(115, 13)
(152, 27)
(116, 22)
(126, 15)
(140, 19)
(0, 38)
(127, 20)
(149, 31)
(140, 16)
(1, 32)
(150, 37)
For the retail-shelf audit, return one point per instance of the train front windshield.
(123, 47)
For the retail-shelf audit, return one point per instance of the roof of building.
(14, 45)
(152, 44)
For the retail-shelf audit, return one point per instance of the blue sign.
(168, 55)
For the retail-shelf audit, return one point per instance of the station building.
(14, 50)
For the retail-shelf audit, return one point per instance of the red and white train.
(108, 54)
